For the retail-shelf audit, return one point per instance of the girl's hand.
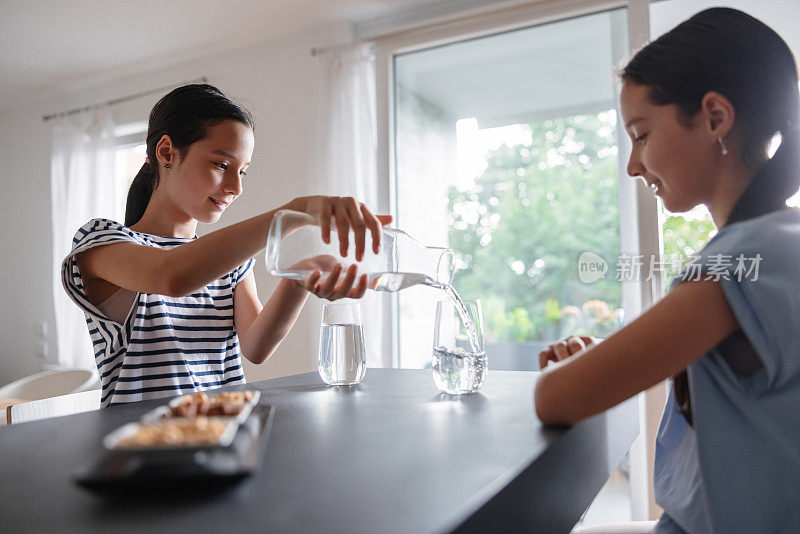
(565, 348)
(348, 213)
(334, 288)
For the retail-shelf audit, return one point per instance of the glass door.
(506, 151)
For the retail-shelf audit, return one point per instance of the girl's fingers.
(358, 223)
(565, 348)
(326, 288)
(347, 213)
(575, 345)
(560, 350)
(546, 356)
(311, 283)
(342, 226)
(360, 289)
(374, 225)
(590, 340)
(325, 222)
(346, 284)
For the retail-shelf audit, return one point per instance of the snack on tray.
(176, 433)
(227, 403)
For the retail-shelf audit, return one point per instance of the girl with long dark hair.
(169, 312)
(702, 104)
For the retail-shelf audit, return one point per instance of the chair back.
(50, 384)
(85, 401)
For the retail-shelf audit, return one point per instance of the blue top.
(677, 481)
(738, 468)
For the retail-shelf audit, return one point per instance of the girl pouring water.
(169, 312)
(701, 105)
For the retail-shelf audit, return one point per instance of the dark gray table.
(389, 455)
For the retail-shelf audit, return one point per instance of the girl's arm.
(189, 267)
(689, 321)
(261, 330)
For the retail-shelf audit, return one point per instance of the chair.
(84, 401)
(46, 384)
(50, 384)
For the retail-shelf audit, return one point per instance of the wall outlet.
(41, 349)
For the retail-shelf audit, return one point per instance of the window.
(129, 156)
(506, 151)
(458, 114)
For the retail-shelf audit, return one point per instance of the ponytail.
(185, 114)
(139, 193)
(776, 181)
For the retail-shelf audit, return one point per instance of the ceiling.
(47, 44)
(51, 45)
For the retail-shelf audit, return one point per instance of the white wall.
(273, 79)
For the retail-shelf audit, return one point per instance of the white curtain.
(343, 152)
(82, 187)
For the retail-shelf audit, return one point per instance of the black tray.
(212, 467)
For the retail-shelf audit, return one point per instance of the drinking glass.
(342, 359)
(459, 357)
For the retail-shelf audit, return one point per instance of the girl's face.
(676, 159)
(210, 175)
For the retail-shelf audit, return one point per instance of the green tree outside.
(519, 232)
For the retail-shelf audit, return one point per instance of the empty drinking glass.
(342, 359)
(459, 357)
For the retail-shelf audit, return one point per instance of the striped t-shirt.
(167, 345)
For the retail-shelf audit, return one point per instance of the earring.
(723, 147)
(166, 165)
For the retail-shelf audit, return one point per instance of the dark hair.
(185, 114)
(732, 53)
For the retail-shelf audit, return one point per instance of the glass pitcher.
(295, 250)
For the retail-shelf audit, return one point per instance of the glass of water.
(342, 359)
(459, 357)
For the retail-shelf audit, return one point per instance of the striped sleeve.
(242, 270)
(95, 233)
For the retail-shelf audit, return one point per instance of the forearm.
(692, 319)
(274, 322)
(208, 258)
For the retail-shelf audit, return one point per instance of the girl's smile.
(654, 184)
(220, 204)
